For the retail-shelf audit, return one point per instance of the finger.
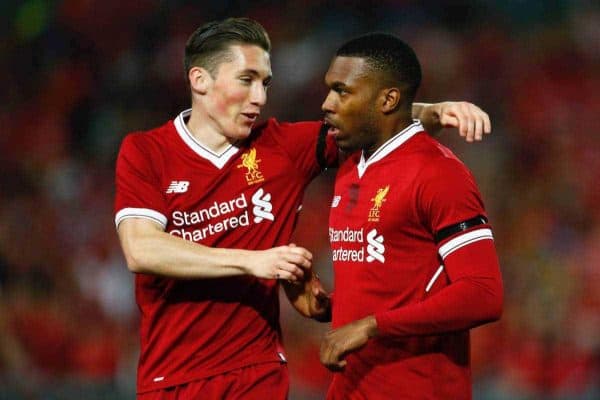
(449, 121)
(299, 259)
(324, 352)
(469, 122)
(300, 251)
(487, 124)
(290, 268)
(326, 356)
(478, 129)
(286, 275)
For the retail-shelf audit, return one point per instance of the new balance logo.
(262, 206)
(335, 201)
(375, 248)
(178, 187)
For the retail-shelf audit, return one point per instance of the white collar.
(390, 145)
(218, 160)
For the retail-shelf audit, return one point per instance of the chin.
(240, 133)
(345, 147)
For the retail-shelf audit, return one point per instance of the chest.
(192, 182)
(248, 198)
(383, 198)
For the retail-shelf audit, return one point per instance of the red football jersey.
(247, 197)
(384, 215)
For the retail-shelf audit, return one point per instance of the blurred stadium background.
(77, 75)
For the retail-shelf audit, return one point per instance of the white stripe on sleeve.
(464, 240)
(140, 213)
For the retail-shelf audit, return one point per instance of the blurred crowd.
(77, 75)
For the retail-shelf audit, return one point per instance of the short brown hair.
(208, 46)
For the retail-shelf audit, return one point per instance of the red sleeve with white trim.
(138, 192)
(449, 197)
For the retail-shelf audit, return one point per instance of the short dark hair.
(209, 45)
(393, 58)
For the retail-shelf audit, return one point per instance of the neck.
(205, 131)
(389, 128)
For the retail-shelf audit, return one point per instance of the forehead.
(347, 70)
(247, 58)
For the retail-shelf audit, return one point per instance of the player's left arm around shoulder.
(470, 120)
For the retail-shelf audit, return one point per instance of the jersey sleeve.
(450, 204)
(138, 190)
(308, 145)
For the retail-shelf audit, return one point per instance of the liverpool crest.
(250, 162)
(378, 201)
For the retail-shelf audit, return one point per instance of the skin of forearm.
(159, 253)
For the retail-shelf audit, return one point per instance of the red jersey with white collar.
(400, 253)
(247, 197)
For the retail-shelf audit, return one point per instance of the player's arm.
(469, 293)
(471, 121)
(474, 297)
(148, 249)
(309, 297)
(474, 294)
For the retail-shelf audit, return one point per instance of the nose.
(327, 105)
(259, 94)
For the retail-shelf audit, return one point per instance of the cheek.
(230, 101)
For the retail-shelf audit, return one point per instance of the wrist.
(239, 260)
(371, 327)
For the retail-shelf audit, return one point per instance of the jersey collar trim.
(218, 160)
(392, 144)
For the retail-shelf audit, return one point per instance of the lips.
(250, 116)
(333, 130)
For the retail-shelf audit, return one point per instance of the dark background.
(76, 76)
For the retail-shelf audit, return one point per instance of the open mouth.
(250, 117)
(332, 129)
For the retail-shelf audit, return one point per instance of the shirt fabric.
(247, 197)
(384, 215)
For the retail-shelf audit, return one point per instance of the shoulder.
(152, 140)
(435, 159)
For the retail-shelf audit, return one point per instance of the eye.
(246, 80)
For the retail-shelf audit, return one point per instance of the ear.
(200, 79)
(391, 99)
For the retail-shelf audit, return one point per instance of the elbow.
(136, 259)
(495, 304)
(134, 264)
(496, 308)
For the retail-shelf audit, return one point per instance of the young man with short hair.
(415, 265)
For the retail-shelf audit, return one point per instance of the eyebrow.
(338, 85)
(256, 73)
